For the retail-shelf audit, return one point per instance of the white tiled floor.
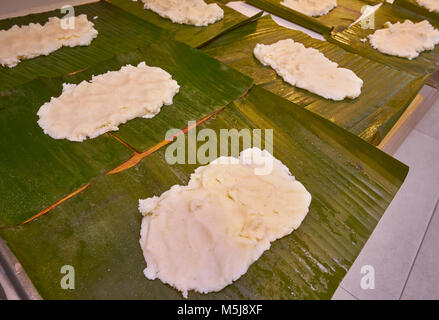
(342, 294)
(423, 280)
(404, 254)
(429, 124)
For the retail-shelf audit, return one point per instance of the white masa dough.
(309, 69)
(205, 235)
(94, 107)
(34, 39)
(406, 39)
(194, 12)
(431, 5)
(312, 8)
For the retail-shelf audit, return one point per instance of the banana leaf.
(191, 35)
(346, 12)
(426, 64)
(97, 231)
(206, 85)
(35, 169)
(386, 92)
(118, 30)
(413, 7)
(33, 179)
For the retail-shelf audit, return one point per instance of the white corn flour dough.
(90, 109)
(406, 39)
(309, 69)
(34, 39)
(312, 8)
(205, 235)
(194, 12)
(431, 5)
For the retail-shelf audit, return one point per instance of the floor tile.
(393, 245)
(342, 294)
(429, 124)
(423, 282)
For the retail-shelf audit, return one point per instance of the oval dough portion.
(194, 12)
(92, 108)
(406, 39)
(34, 39)
(205, 235)
(309, 69)
(312, 8)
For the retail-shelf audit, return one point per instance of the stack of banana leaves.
(343, 26)
(386, 91)
(344, 14)
(76, 203)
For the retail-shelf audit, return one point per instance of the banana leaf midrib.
(291, 15)
(339, 18)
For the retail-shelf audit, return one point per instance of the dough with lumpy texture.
(193, 12)
(32, 40)
(205, 235)
(312, 8)
(406, 39)
(94, 107)
(431, 5)
(309, 69)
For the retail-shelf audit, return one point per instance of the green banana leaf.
(39, 175)
(426, 64)
(346, 12)
(386, 92)
(118, 30)
(191, 35)
(206, 85)
(97, 231)
(413, 7)
(35, 169)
